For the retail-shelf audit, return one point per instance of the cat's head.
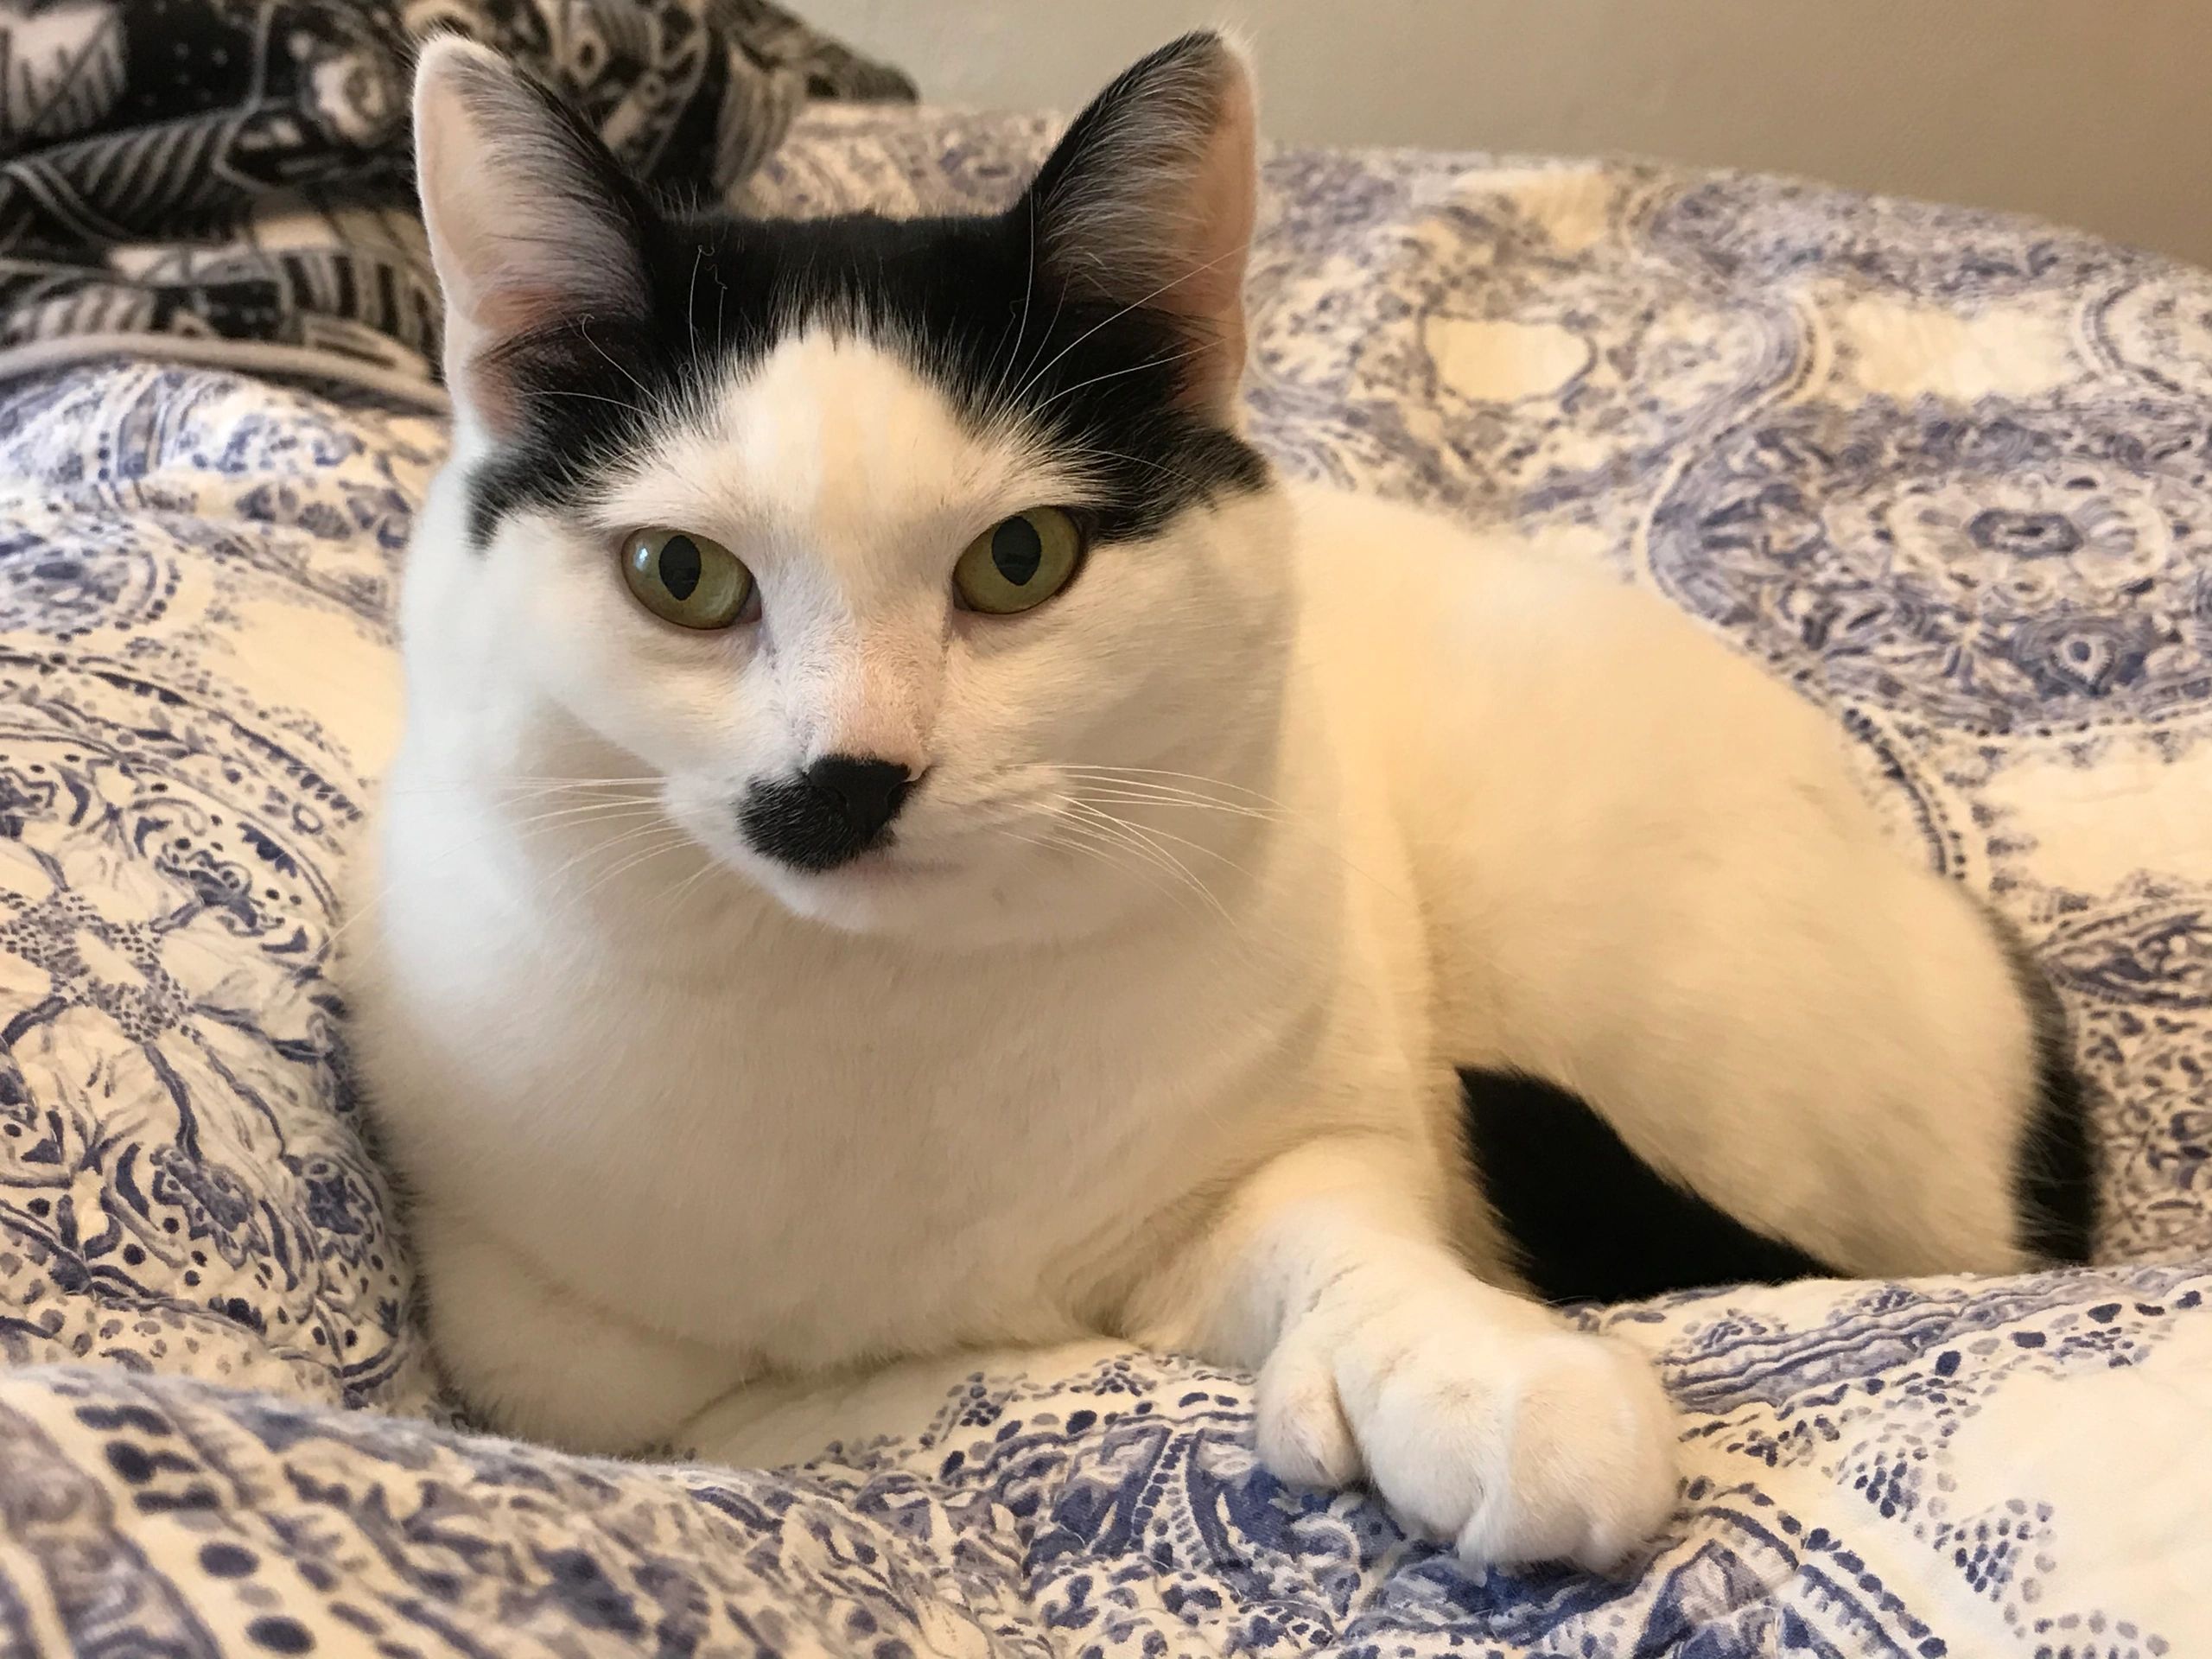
(916, 560)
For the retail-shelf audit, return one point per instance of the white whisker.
(690, 315)
(1139, 841)
(707, 868)
(1162, 771)
(1090, 452)
(509, 787)
(1022, 391)
(644, 391)
(1128, 795)
(655, 848)
(1213, 853)
(1101, 848)
(1096, 780)
(1029, 288)
(1115, 374)
(595, 397)
(589, 815)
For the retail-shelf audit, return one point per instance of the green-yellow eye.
(1018, 562)
(686, 579)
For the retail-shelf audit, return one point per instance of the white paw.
(1511, 1440)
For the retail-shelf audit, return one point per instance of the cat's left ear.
(1149, 202)
(534, 225)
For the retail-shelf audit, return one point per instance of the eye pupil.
(1018, 562)
(1017, 550)
(680, 566)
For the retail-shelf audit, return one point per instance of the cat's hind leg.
(1589, 1220)
(1731, 1032)
(1653, 882)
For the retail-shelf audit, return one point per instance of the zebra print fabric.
(228, 181)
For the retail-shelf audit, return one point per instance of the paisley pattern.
(1945, 471)
(2040, 572)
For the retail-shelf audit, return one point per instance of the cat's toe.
(1304, 1439)
(1546, 1447)
(1589, 1459)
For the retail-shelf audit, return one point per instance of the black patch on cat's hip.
(2055, 1171)
(1590, 1221)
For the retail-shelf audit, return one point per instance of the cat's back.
(1452, 652)
(1381, 577)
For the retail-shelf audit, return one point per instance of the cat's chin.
(943, 902)
(888, 891)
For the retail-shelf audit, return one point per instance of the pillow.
(196, 676)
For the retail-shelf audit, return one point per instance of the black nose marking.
(837, 809)
(868, 792)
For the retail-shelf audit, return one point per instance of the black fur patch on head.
(2055, 1177)
(969, 303)
(1590, 1221)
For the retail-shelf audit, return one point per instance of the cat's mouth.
(886, 864)
(883, 888)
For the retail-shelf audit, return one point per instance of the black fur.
(837, 809)
(977, 305)
(2055, 1176)
(1590, 1221)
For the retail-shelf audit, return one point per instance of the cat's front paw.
(1510, 1444)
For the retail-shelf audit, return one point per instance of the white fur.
(678, 1118)
(1145, 1026)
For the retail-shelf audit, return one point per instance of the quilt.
(1948, 472)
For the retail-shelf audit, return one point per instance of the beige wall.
(2095, 112)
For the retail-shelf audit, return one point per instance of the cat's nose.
(867, 794)
(825, 814)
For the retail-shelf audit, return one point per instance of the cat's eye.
(1018, 562)
(686, 579)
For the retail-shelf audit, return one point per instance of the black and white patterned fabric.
(1948, 472)
(228, 181)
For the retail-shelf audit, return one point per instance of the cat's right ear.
(1149, 200)
(534, 227)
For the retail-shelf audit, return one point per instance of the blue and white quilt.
(1950, 473)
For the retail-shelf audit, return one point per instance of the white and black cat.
(909, 839)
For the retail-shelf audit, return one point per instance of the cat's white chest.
(807, 1164)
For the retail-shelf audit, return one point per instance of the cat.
(910, 839)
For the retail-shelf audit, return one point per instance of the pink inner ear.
(511, 309)
(1219, 207)
(491, 392)
(521, 227)
(500, 316)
